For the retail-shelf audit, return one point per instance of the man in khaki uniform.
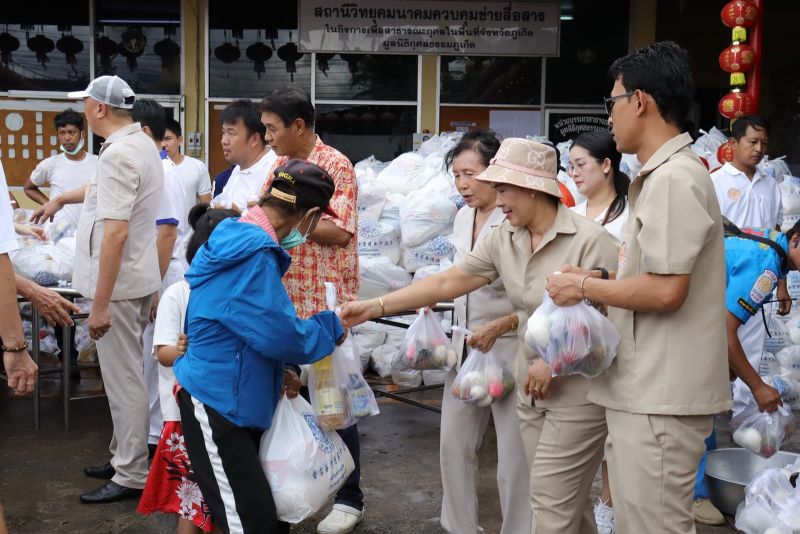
(117, 268)
(671, 373)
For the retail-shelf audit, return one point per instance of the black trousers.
(227, 468)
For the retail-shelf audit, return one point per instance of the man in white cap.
(116, 266)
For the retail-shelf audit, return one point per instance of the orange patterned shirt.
(314, 264)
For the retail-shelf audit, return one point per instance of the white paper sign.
(514, 123)
(430, 27)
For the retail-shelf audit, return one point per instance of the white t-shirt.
(170, 207)
(64, 174)
(615, 228)
(196, 181)
(746, 203)
(245, 185)
(169, 325)
(8, 236)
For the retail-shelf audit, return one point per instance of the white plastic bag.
(761, 432)
(778, 337)
(768, 364)
(429, 253)
(423, 216)
(755, 517)
(402, 174)
(382, 358)
(428, 270)
(304, 464)
(482, 379)
(371, 198)
(788, 389)
(367, 337)
(575, 339)
(44, 263)
(378, 239)
(425, 345)
(789, 361)
(378, 276)
(434, 377)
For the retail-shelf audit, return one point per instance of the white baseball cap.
(110, 90)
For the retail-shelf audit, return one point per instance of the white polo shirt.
(196, 181)
(748, 203)
(8, 236)
(244, 185)
(170, 206)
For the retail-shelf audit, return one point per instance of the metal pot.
(729, 470)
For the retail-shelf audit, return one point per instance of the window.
(489, 80)
(360, 131)
(45, 49)
(140, 42)
(366, 77)
(253, 49)
(593, 34)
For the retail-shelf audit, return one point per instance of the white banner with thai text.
(430, 27)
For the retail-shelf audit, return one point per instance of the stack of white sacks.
(406, 210)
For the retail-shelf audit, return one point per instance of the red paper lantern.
(725, 152)
(739, 13)
(736, 104)
(737, 58)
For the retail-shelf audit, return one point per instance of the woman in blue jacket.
(243, 329)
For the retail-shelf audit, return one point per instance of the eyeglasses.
(611, 100)
(578, 166)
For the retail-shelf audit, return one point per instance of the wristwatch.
(603, 272)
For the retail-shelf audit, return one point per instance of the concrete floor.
(41, 472)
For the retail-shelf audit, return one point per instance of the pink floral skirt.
(170, 485)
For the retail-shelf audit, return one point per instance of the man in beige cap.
(666, 298)
(117, 268)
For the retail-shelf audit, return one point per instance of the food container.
(729, 470)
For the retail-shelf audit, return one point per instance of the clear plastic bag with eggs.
(426, 346)
(761, 432)
(573, 340)
(482, 379)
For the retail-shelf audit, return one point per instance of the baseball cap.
(303, 184)
(110, 90)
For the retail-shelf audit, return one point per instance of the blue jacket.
(242, 327)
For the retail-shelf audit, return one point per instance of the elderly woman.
(488, 313)
(562, 432)
(242, 329)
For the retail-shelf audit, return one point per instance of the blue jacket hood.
(230, 243)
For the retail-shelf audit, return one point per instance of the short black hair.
(248, 113)
(150, 113)
(739, 127)
(67, 117)
(661, 70)
(482, 141)
(203, 219)
(289, 103)
(790, 233)
(174, 127)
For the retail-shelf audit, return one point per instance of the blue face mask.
(296, 237)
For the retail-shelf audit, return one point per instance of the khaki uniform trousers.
(463, 427)
(652, 464)
(120, 355)
(564, 446)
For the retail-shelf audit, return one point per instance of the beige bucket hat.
(525, 164)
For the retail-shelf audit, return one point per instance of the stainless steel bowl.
(729, 470)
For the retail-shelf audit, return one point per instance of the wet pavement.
(41, 472)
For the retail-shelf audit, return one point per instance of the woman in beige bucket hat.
(563, 433)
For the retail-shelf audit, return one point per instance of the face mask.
(296, 237)
(73, 152)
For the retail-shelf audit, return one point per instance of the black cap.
(303, 184)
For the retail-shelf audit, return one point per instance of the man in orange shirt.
(329, 255)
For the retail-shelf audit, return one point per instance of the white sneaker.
(604, 517)
(341, 520)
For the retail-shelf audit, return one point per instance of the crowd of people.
(206, 308)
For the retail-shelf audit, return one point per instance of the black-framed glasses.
(611, 100)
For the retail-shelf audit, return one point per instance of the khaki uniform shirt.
(505, 252)
(127, 186)
(672, 363)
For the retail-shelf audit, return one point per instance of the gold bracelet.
(383, 308)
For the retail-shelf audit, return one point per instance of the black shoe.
(103, 472)
(110, 492)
